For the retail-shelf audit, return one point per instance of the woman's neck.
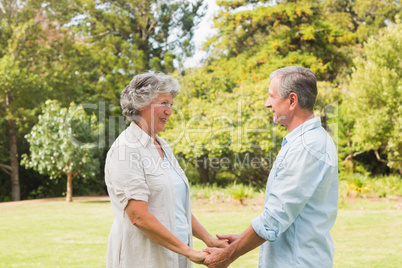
(147, 130)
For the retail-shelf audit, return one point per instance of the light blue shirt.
(182, 226)
(301, 201)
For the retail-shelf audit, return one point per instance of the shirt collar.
(300, 130)
(143, 137)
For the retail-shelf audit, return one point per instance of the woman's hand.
(197, 256)
(202, 234)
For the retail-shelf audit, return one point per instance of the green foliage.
(375, 97)
(81, 51)
(386, 186)
(359, 185)
(31, 54)
(253, 43)
(64, 142)
(216, 193)
(222, 126)
(210, 192)
(123, 38)
(241, 192)
(33, 67)
(365, 17)
(87, 51)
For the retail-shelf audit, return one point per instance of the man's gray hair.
(143, 89)
(301, 81)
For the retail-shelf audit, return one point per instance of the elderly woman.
(149, 192)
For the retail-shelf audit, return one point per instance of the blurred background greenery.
(60, 58)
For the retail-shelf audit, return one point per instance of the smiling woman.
(149, 191)
(154, 117)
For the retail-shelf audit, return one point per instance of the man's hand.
(239, 245)
(217, 257)
(230, 237)
(218, 243)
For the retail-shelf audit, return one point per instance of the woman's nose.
(168, 111)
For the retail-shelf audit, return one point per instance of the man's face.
(280, 107)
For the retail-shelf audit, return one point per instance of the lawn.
(56, 234)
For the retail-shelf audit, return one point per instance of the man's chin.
(280, 120)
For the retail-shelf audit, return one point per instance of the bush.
(241, 192)
(214, 192)
(359, 185)
(207, 191)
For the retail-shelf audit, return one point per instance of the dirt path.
(77, 198)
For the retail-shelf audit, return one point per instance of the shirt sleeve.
(296, 179)
(127, 175)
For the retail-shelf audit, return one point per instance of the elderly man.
(302, 190)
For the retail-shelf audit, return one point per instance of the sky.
(204, 30)
(201, 33)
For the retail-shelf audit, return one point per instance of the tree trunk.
(15, 180)
(202, 165)
(69, 197)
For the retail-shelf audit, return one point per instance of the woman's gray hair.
(143, 89)
(301, 81)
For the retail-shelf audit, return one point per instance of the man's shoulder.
(319, 144)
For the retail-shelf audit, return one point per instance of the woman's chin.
(160, 129)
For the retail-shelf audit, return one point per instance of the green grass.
(57, 234)
(54, 234)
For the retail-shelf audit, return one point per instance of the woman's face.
(154, 117)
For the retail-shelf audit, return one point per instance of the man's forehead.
(272, 85)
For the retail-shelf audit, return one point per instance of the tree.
(124, 38)
(221, 128)
(64, 143)
(84, 51)
(375, 97)
(15, 78)
(222, 103)
(364, 17)
(263, 38)
(28, 35)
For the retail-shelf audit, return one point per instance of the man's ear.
(293, 99)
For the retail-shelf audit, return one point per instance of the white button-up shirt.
(133, 171)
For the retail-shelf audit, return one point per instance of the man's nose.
(268, 103)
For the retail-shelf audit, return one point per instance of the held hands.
(218, 257)
(197, 256)
(215, 256)
(219, 252)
